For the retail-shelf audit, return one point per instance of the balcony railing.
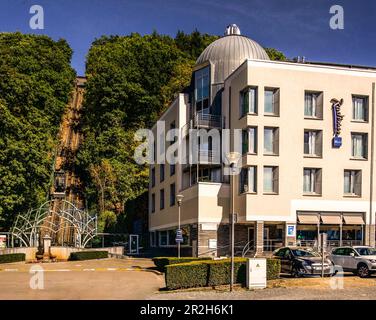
(203, 120)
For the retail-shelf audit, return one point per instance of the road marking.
(88, 269)
(112, 269)
(11, 270)
(62, 270)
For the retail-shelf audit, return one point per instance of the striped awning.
(330, 219)
(308, 219)
(353, 219)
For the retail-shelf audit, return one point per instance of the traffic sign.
(179, 236)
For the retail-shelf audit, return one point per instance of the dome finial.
(232, 29)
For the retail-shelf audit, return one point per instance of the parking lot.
(133, 279)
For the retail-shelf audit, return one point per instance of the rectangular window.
(248, 101)
(359, 143)
(202, 90)
(161, 199)
(360, 108)
(270, 179)
(271, 140)
(313, 105)
(152, 239)
(163, 238)
(153, 177)
(153, 202)
(172, 194)
(312, 181)
(248, 181)
(313, 143)
(271, 101)
(161, 172)
(249, 140)
(353, 182)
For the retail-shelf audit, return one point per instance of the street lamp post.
(233, 158)
(179, 200)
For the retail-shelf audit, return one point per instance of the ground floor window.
(167, 237)
(153, 239)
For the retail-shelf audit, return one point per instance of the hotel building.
(297, 178)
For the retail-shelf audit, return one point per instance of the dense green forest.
(35, 82)
(131, 80)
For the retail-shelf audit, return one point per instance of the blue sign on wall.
(337, 122)
(337, 142)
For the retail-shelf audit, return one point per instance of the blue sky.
(296, 27)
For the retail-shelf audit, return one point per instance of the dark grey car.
(301, 261)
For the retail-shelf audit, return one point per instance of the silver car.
(360, 260)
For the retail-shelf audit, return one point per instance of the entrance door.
(133, 244)
(251, 238)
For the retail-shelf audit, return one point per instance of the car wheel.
(363, 271)
(295, 272)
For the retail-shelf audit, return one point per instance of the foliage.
(12, 257)
(162, 262)
(275, 55)
(88, 255)
(213, 273)
(35, 82)
(131, 80)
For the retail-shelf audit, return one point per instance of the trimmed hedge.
(186, 275)
(12, 257)
(162, 262)
(213, 273)
(88, 255)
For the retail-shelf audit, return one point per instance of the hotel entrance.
(273, 236)
(342, 228)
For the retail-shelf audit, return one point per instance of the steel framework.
(60, 219)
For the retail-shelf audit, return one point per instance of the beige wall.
(293, 80)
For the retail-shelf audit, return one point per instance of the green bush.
(213, 273)
(186, 275)
(12, 257)
(273, 268)
(162, 262)
(220, 271)
(88, 255)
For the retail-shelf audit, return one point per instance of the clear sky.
(296, 27)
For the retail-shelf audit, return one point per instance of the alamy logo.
(337, 21)
(37, 279)
(37, 20)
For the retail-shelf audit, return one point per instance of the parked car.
(360, 260)
(300, 261)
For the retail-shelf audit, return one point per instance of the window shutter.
(276, 141)
(358, 183)
(318, 179)
(320, 105)
(319, 143)
(276, 102)
(275, 179)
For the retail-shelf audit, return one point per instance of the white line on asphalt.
(89, 270)
(11, 270)
(61, 270)
(112, 269)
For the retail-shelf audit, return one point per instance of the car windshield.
(305, 253)
(366, 251)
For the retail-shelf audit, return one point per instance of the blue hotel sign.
(337, 122)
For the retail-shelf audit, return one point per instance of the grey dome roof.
(229, 52)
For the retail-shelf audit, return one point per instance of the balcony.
(202, 120)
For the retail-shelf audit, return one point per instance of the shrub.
(213, 272)
(273, 268)
(186, 275)
(12, 257)
(88, 255)
(220, 271)
(162, 262)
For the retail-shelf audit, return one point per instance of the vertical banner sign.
(337, 121)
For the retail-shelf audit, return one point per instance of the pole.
(179, 229)
(232, 232)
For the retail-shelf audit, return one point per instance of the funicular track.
(66, 185)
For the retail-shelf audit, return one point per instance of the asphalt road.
(96, 279)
